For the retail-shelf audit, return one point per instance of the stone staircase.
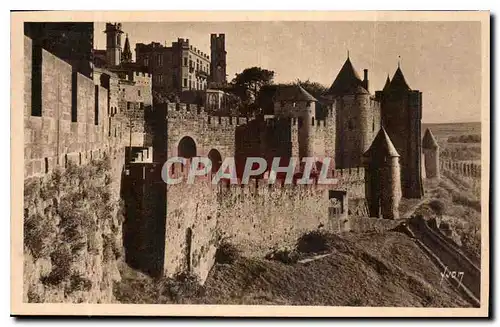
(141, 155)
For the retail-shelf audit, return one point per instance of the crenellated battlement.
(349, 174)
(185, 111)
(185, 108)
(142, 74)
(67, 116)
(344, 178)
(255, 187)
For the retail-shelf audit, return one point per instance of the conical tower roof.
(347, 81)
(381, 146)
(398, 82)
(429, 141)
(293, 93)
(387, 83)
(127, 53)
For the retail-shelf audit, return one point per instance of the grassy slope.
(386, 269)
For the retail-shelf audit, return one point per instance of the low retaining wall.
(368, 224)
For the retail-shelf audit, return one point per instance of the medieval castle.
(81, 103)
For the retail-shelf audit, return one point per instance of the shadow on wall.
(144, 226)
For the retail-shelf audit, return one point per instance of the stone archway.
(216, 159)
(186, 148)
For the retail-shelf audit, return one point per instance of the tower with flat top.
(113, 43)
(218, 59)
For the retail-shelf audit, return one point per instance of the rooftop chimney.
(365, 78)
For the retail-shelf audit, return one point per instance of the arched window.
(186, 148)
(350, 124)
(216, 159)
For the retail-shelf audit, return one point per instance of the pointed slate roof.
(381, 146)
(347, 81)
(387, 83)
(292, 93)
(429, 141)
(127, 53)
(398, 82)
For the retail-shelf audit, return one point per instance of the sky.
(441, 59)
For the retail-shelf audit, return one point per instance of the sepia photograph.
(334, 162)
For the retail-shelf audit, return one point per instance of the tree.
(265, 98)
(248, 83)
(314, 88)
(164, 97)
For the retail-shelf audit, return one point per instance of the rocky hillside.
(72, 234)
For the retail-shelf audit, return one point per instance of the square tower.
(401, 109)
(218, 59)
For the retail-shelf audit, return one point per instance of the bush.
(39, 235)
(438, 207)
(227, 253)
(460, 153)
(471, 138)
(33, 296)
(180, 288)
(284, 255)
(315, 242)
(183, 286)
(61, 260)
(354, 302)
(78, 283)
(466, 200)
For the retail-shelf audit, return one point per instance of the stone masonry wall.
(258, 218)
(191, 235)
(73, 168)
(207, 132)
(72, 233)
(54, 137)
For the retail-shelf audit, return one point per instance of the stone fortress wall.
(257, 217)
(70, 119)
(176, 228)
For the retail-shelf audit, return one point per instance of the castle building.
(401, 113)
(180, 67)
(74, 118)
(130, 87)
(218, 74)
(357, 115)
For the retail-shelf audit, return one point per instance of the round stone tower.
(292, 101)
(383, 177)
(430, 149)
(357, 116)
